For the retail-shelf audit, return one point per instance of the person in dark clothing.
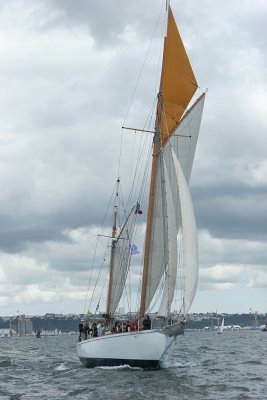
(94, 330)
(126, 326)
(85, 331)
(80, 330)
(147, 323)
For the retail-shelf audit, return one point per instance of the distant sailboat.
(170, 216)
(221, 328)
(264, 327)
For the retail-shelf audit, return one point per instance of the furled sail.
(178, 83)
(189, 233)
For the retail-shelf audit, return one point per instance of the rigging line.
(104, 285)
(142, 68)
(167, 348)
(164, 28)
(89, 282)
(142, 168)
(100, 269)
(109, 202)
(123, 255)
(137, 83)
(107, 274)
(142, 146)
(148, 159)
(93, 262)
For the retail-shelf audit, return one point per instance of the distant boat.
(220, 328)
(170, 214)
(7, 333)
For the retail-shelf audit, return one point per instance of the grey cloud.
(62, 106)
(232, 211)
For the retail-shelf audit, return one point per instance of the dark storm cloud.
(232, 211)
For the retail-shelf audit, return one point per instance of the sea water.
(204, 365)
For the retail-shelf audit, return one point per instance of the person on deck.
(118, 328)
(100, 329)
(94, 330)
(80, 329)
(147, 323)
(85, 330)
(133, 326)
(126, 326)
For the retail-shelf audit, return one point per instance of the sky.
(70, 77)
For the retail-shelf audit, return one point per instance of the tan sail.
(178, 83)
(177, 87)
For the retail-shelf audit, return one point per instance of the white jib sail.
(184, 139)
(171, 244)
(189, 228)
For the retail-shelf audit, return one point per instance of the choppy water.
(204, 366)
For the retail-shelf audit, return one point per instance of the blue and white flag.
(134, 249)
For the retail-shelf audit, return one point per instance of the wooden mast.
(177, 87)
(156, 150)
(113, 245)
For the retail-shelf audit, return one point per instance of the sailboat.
(221, 327)
(170, 245)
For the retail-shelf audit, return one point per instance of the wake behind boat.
(170, 256)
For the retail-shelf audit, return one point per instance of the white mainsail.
(157, 254)
(167, 197)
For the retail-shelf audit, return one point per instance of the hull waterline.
(136, 349)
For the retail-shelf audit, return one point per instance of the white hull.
(137, 349)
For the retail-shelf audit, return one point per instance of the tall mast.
(157, 143)
(177, 87)
(156, 150)
(113, 245)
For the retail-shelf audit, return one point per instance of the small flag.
(134, 249)
(137, 209)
